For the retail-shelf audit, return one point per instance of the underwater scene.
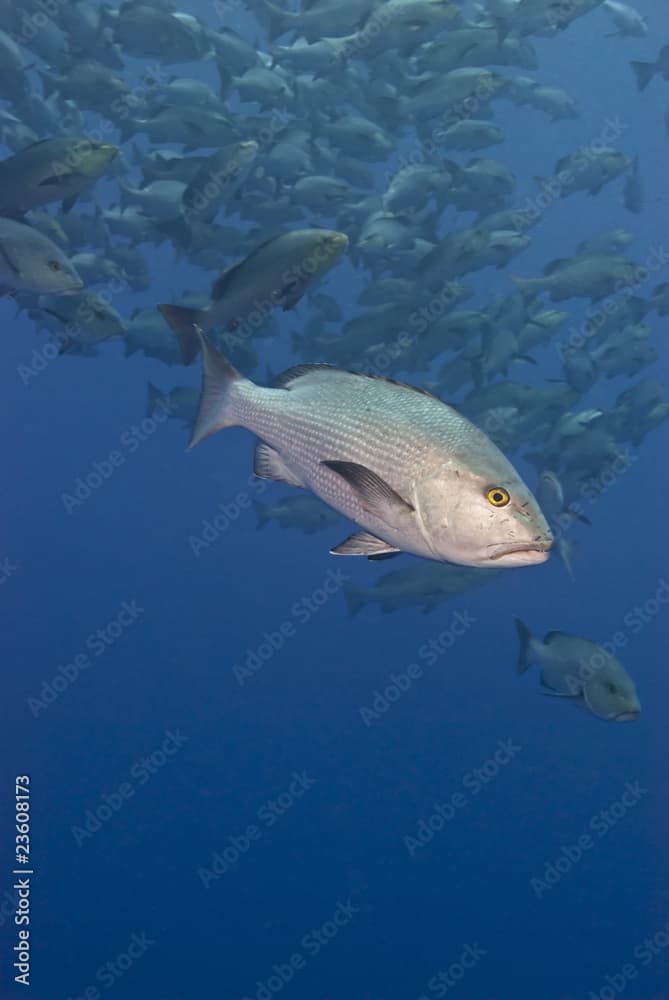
(333, 559)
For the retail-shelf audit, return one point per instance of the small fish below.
(304, 513)
(413, 473)
(580, 671)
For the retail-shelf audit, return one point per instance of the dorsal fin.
(221, 285)
(283, 380)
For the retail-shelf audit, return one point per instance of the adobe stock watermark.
(643, 955)
(444, 981)
(141, 771)
(95, 646)
(378, 361)
(116, 968)
(472, 784)
(573, 853)
(311, 944)
(228, 513)
(399, 682)
(595, 486)
(217, 182)
(32, 24)
(228, 857)
(425, 150)
(73, 331)
(294, 277)
(103, 469)
(301, 611)
(634, 620)
(578, 337)
(553, 188)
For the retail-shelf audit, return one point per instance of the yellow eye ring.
(498, 496)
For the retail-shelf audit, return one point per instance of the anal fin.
(268, 464)
(362, 543)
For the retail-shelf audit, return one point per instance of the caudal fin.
(644, 72)
(524, 653)
(526, 284)
(262, 514)
(565, 549)
(216, 403)
(154, 399)
(183, 321)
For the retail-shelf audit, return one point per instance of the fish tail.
(154, 399)
(278, 21)
(217, 405)
(183, 321)
(565, 549)
(578, 516)
(644, 72)
(525, 652)
(49, 83)
(262, 514)
(502, 27)
(526, 283)
(355, 599)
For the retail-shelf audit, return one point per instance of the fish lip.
(630, 716)
(512, 550)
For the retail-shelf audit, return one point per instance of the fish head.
(94, 157)
(616, 162)
(611, 693)
(321, 255)
(55, 274)
(483, 516)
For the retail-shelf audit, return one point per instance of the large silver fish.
(411, 471)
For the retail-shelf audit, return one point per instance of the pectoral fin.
(559, 694)
(374, 493)
(69, 203)
(364, 544)
(4, 255)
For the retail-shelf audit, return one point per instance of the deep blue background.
(301, 712)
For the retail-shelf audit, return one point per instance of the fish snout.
(630, 715)
(521, 554)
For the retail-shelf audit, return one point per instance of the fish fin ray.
(268, 464)
(374, 492)
(525, 652)
(218, 378)
(362, 543)
(183, 322)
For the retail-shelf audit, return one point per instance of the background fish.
(581, 671)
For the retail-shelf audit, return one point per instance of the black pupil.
(497, 497)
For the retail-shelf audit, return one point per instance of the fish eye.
(498, 496)
(611, 688)
(54, 266)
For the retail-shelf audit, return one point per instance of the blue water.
(329, 893)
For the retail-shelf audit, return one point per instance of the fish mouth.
(521, 554)
(630, 716)
(340, 241)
